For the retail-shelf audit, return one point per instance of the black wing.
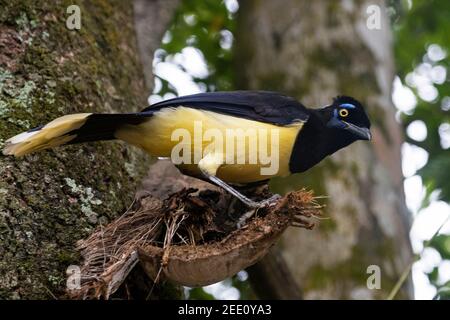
(263, 106)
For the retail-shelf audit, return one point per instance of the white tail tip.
(12, 143)
(53, 134)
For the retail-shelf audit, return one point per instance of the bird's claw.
(255, 206)
(269, 202)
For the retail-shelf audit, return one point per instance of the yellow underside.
(155, 137)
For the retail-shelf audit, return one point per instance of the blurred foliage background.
(206, 28)
(422, 40)
(203, 30)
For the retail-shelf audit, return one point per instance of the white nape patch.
(22, 137)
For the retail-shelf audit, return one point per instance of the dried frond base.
(190, 238)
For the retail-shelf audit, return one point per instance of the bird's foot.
(259, 204)
(255, 205)
(270, 202)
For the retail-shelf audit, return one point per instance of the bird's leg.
(209, 164)
(250, 203)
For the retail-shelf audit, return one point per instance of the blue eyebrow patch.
(347, 106)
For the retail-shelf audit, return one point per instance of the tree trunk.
(315, 50)
(51, 199)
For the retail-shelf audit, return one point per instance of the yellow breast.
(248, 150)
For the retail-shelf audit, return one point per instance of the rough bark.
(315, 50)
(51, 199)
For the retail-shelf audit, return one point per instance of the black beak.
(361, 133)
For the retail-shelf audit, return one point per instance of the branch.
(186, 235)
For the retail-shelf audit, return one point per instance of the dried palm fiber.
(190, 238)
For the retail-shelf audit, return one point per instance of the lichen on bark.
(51, 199)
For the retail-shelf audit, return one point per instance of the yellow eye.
(343, 113)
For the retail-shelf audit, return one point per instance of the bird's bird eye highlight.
(343, 113)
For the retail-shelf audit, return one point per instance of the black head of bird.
(329, 129)
(347, 119)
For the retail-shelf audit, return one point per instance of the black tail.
(103, 126)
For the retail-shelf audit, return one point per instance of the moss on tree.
(51, 199)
